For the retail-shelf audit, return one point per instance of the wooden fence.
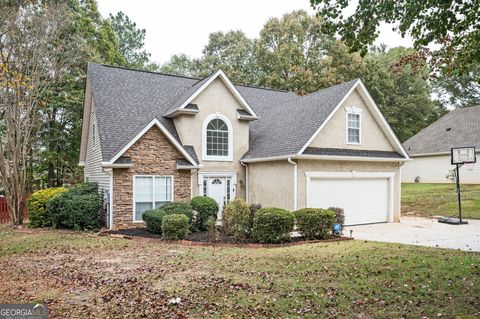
(5, 214)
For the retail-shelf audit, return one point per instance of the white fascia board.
(383, 120)
(162, 128)
(268, 159)
(328, 118)
(354, 158)
(328, 158)
(229, 85)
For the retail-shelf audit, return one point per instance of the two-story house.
(150, 138)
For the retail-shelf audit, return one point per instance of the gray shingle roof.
(127, 100)
(347, 152)
(191, 151)
(187, 94)
(460, 127)
(284, 128)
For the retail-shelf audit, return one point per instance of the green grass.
(86, 276)
(440, 199)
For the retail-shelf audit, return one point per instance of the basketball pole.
(459, 194)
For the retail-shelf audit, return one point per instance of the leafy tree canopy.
(131, 40)
(450, 24)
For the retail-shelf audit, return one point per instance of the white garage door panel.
(364, 200)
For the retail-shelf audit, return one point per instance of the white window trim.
(357, 111)
(206, 157)
(134, 187)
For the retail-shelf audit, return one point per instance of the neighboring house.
(430, 148)
(150, 138)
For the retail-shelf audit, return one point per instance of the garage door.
(364, 200)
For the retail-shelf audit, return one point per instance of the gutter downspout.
(192, 172)
(295, 184)
(247, 195)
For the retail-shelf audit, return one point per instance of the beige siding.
(93, 163)
(333, 135)
(344, 166)
(434, 169)
(271, 184)
(216, 98)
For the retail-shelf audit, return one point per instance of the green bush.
(76, 209)
(339, 215)
(236, 218)
(84, 189)
(314, 223)
(206, 207)
(272, 225)
(153, 220)
(253, 209)
(175, 226)
(178, 208)
(38, 215)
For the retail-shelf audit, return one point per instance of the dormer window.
(354, 117)
(217, 138)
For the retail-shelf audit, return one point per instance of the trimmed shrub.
(38, 215)
(272, 225)
(84, 189)
(76, 209)
(175, 226)
(153, 220)
(314, 223)
(205, 207)
(339, 215)
(178, 208)
(253, 209)
(236, 216)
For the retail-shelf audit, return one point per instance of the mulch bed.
(204, 239)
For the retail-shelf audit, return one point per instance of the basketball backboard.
(463, 155)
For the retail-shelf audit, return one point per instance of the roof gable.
(173, 140)
(375, 112)
(191, 93)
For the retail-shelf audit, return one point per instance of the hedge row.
(74, 208)
(274, 225)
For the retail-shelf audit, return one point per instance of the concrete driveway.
(422, 232)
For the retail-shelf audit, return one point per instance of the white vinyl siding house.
(430, 148)
(93, 170)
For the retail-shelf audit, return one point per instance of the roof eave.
(327, 158)
(176, 113)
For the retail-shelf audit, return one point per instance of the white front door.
(217, 189)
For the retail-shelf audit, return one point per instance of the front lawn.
(440, 199)
(82, 276)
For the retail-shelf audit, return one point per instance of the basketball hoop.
(459, 157)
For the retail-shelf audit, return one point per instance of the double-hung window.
(151, 192)
(353, 127)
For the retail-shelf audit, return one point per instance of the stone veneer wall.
(152, 154)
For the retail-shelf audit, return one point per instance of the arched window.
(217, 138)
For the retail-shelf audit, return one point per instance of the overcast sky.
(183, 26)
